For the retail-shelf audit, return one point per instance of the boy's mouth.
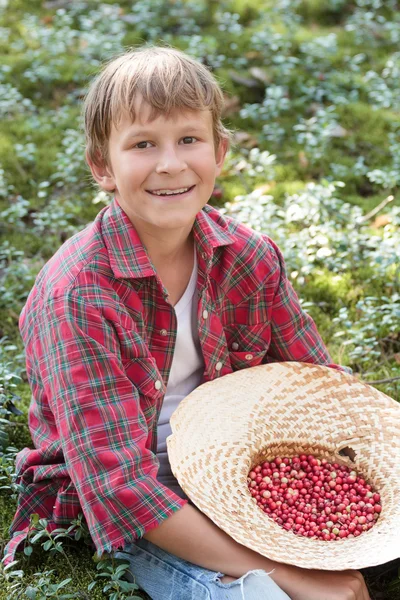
(166, 193)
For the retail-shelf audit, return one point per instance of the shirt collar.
(129, 258)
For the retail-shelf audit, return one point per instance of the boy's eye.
(188, 137)
(186, 140)
(140, 145)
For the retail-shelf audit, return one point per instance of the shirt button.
(235, 346)
(248, 356)
(204, 255)
(158, 384)
(163, 332)
(205, 314)
(218, 366)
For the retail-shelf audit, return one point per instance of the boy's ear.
(221, 154)
(101, 172)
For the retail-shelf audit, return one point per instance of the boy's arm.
(191, 535)
(100, 422)
(294, 335)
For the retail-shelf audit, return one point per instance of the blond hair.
(166, 78)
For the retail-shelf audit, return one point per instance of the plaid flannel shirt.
(99, 337)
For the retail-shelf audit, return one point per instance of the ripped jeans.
(164, 576)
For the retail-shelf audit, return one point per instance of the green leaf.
(122, 568)
(91, 585)
(47, 545)
(35, 518)
(96, 558)
(126, 586)
(64, 582)
(28, 550)
(59, 531)
(11, 564)
(30, 592)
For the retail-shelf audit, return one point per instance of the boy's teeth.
(170, 192)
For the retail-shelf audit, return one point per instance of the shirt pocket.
(247, 344)
(244, 360)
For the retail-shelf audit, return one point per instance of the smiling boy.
(162, 173)
(158, 295)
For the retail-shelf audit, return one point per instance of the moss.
(7, 511)
(232, 187)
(328, 289)
(19, 435)
(31, 244)
(323, 12)
(83, 570)
(8, 323)
(7, 156)
(77, 562)
(365, 125)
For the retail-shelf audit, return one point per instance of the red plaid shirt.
(99, 336)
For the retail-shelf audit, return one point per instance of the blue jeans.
(164, 576)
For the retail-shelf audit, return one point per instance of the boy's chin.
(171, 223)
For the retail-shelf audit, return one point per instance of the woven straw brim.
(226, 426)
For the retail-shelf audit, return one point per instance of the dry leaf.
(246, 81)
(252, 54)
(244, 139)
(338, 131)
(381, 221)
(397, 358)
(231, 105)
(303, 160)
(313, 108)
(242, 164)
(260, 74)
(265, 187)
(240, 136)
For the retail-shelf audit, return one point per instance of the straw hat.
(226, 426)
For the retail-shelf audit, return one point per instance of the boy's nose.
(170, 162)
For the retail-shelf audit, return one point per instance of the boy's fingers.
(365, 595)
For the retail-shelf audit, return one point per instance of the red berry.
(313, 497)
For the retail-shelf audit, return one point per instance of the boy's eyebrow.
(140, 132)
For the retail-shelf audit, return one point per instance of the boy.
(159, 294)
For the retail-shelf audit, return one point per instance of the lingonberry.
(313, 497)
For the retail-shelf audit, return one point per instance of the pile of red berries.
(314, 498)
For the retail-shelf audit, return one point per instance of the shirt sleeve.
(294, 335)
(102, 429)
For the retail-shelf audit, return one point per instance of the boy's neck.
(172, 258)
(167, 248)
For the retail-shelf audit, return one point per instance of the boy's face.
(167, 154)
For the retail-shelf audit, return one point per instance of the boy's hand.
(304, 584)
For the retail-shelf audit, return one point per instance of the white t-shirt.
(186, 374)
